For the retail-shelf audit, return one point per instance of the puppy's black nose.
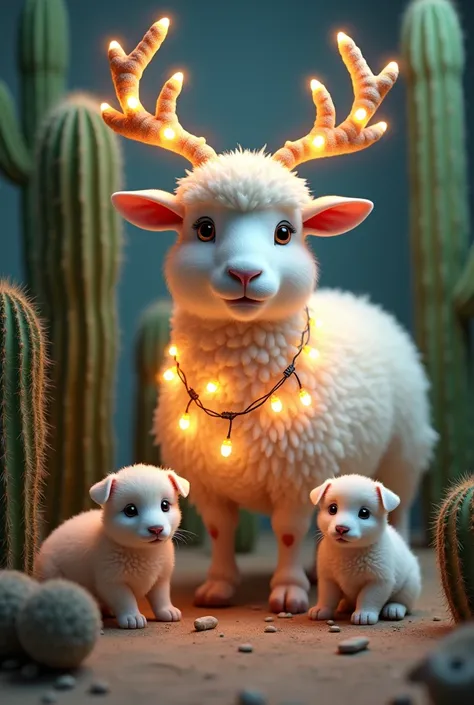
(155, 530)
(341, 529)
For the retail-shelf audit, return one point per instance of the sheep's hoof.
(214, 593)
(289, 598)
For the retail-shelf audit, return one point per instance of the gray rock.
(251, 697)
(246, 648)
(270, 630)
(353, 645)
(437, 619)
(334, 629)
(202, 624)
(49, 698)
(330, 622)
(30, 671)
(99, 688)
(269, 619)
(284, 615)
(65, 682)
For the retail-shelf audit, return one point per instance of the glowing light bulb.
(360, 114)
(315, 322)
(318, 323)
(132, 102)
(173, 350)
(114, 45)
(393, 66)
(104, 107)
(276, 404)
(311, 352)
(212, 387)
(179, 76)
(226, 447)
(184, 422)
(305, 397)
(164, 22)
(319, 141)
(169, 374)
(342, 37)
(315, 85)
(169, 133)
(383, 126)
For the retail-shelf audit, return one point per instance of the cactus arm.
(15, 160)
(464, 291)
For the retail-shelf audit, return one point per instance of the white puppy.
(363, 564)
(124, 551)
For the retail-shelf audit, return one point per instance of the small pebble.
(30, 671)
(202, 624)
(269, 619)
(401, 700)
(246, 648)
(10, 665)
(66, 682)
(99, 688)
(353, 645)
(48, 698)
(102, 632)
(334, 629)
(270, 630)
(251, 697)
(330, 622)
(221, 635)
(437, 619)
(284, 615)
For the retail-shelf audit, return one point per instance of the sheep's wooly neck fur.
(243, 180)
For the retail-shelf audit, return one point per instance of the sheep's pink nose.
(155, 530)
(244, 276)
(341, 529)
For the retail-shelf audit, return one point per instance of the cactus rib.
(15, 160)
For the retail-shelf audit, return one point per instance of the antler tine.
(353, 134)
(162, 129)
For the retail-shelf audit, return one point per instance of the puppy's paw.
(319, 612)
(131, 621)
(393, 611)
(364, 617)
(169, 613)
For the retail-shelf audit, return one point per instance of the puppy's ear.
(318, 493)
(179, 483)
(100, 492)
(389, 499)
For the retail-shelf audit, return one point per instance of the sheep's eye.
(165, 506)
(130, 511)
(283, 233)
(332, 509)
(364, 513)
(206, 230)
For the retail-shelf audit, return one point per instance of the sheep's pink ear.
(179, 483)
(150, 209)
(334, 215)
(318, 493)
(389, 499)
(101, 492)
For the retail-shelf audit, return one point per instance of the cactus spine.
(153, 341)
(455, 549)
(43, 60)
(22, 428)
(443, 268)
(78, 247)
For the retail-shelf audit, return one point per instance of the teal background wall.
(247, 65)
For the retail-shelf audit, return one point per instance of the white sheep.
(241, 276)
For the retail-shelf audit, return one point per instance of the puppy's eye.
(130, 511)
(364, 513)
(283, 233)
(332, 509)
(165, 506)
(205, 229)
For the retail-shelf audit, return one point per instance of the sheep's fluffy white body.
(369, 413)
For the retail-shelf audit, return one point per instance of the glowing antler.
(162, 129)
(328, 140)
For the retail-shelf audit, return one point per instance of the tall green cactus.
(43, 61)
(455, 549)
(22, 428)
(78, 243)
(153, 341)
(443, 267)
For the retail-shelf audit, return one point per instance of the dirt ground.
(298, 665)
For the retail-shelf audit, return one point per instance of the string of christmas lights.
(212, 387)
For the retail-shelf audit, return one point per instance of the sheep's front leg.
(290, 584)
(221, 519)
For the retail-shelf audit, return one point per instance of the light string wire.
(257, 403)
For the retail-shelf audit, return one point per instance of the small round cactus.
(59, 625)
(15, 589)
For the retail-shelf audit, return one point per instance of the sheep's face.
(242, 221)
